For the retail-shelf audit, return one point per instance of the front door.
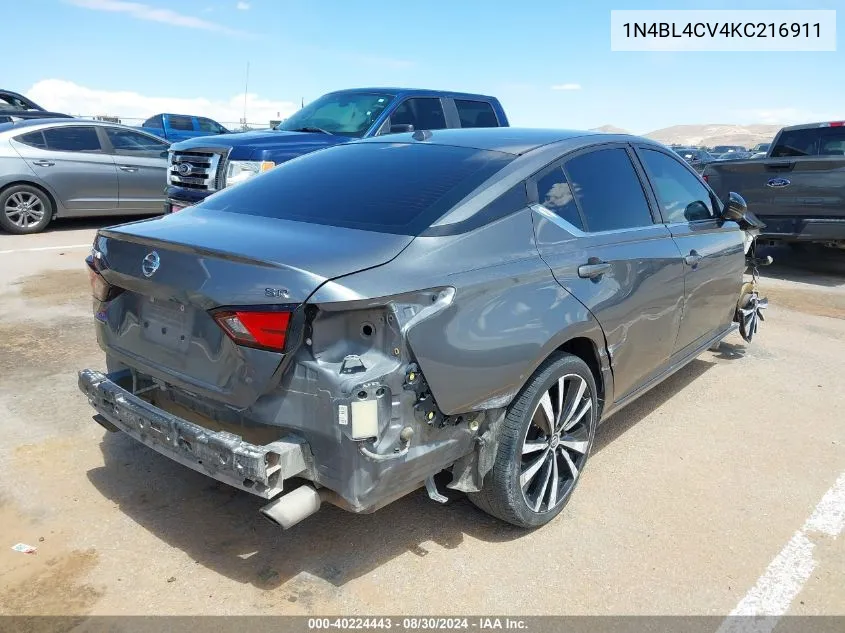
(595, 229)
(141, 161)
(712, 249)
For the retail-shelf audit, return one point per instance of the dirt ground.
(690, 494)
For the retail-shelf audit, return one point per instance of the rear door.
(72, 161)
(712, 250)
(595, 229)
(141, 161)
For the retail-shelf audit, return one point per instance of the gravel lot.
(691, 495)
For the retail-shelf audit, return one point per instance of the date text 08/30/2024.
(417, 623)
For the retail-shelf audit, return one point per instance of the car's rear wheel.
(24, 209)
(543, 444)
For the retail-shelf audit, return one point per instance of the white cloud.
(141, 11)
(566, 87)
(65, 96)
(243, 6)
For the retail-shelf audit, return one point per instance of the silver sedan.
(53, 168)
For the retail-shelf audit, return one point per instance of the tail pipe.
(290, 509)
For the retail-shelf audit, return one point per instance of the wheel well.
(585, 349)
(29, 183)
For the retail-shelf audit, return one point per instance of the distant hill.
(707, 135)
(715, 134)
(609, 129)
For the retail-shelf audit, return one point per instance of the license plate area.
(167, 323)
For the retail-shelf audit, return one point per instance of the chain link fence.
(240, 126)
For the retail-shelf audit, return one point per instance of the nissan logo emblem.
(150, 264)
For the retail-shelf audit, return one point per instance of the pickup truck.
(180, 127)
(201, 166)
(798, 189)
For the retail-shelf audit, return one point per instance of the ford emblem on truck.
(184, 169)
(778, 182)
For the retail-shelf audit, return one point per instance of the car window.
(399, 188)
(476, 113)
(72, 139)
(33, 139)
(681, 195)
(179, 122)
(207, 125)
(554, 193)
(423, 113)
(154, 122)
(608, 190)
(129, 143)
(819, 141)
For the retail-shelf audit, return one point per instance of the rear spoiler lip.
(155, 242)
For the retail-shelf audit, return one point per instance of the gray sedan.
(363, 317)
(53, 168)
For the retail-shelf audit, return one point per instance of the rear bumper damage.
(260, 470)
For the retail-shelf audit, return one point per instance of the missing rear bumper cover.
(260, 470)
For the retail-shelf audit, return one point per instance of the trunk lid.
(176, 269)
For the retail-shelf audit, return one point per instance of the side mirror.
(736, 210)
(401, 127)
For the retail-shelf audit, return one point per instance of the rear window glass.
(33, 139)
(386, 187)
(819, 141)
(184, 123)
(476, 113)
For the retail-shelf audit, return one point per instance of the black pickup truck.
(798, 189)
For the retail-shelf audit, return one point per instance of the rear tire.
(24, 209)
(538, 464)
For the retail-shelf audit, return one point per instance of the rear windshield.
(817, 141)
(386, 187)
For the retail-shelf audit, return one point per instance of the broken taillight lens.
(259, 329)
(101, 289)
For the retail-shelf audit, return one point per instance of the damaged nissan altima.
(352, 323)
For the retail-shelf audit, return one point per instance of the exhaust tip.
(290, 509)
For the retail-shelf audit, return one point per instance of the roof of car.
(413, 91)
(60, 122)
(510, 140)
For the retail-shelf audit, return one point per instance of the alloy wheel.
(24, 209)
(556, 443)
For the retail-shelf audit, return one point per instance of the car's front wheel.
(24, 209)
(543, 444)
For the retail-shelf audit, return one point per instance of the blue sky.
(133, 57)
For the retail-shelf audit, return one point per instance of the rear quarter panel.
(507, 316)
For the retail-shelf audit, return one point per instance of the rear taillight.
(833, 124)
(101, 289)
(259, 329)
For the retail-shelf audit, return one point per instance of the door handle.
(593, 269)
(43, 163)
(692, 259)
(128, 168)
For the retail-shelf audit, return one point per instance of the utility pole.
(246, 88)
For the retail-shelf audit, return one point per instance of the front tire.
(543, 444)
(24, 209)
